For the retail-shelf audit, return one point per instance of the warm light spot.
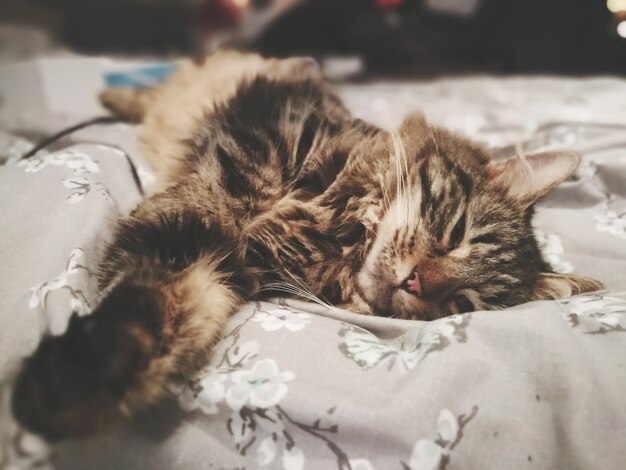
(616, 5)
(241, 3)
(621, 29)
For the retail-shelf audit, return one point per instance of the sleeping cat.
(267, 185)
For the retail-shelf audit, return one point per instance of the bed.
(296, 385)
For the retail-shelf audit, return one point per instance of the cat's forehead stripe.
(425, 187)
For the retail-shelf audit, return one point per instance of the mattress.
(296, 385)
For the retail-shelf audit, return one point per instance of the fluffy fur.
(268, 183)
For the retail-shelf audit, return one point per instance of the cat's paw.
(75, 384)
(126, 103)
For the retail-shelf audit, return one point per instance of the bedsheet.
(296, 385)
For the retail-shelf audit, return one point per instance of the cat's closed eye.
(456, 237)
(487, 238)
(458, 233)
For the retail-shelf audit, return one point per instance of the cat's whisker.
(306, 289)
(398, 183)
(432, 136)
(520, 154)
(293, 293)
(294, 290)
(386, 199)
(406, 177)
(400, 180)
(400, 189)
(314, 298)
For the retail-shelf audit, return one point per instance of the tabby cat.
(269, 185)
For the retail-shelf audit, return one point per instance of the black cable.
(81, 125)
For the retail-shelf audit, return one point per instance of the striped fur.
(265, 180)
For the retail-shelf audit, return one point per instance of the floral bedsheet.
(294, 385)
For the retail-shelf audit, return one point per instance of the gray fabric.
(297, 385)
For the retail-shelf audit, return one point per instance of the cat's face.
(456, 234)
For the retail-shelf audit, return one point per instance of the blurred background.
(353, 39)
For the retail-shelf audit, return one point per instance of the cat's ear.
(551, 286)
(414, 126)
(529, 178)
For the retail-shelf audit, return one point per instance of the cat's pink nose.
(413, 284)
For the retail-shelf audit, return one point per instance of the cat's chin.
(389, 303)
(384, 299)
(407, 307)
(379, 303)
(358, 305)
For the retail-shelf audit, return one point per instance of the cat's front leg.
(159, 319)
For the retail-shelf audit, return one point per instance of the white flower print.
(78, 162)
(205, 394)
(609, 220)
(552, 248)
(241, 428)
(266, 452)
(407, 350)
(447, 426)
(596, 313)
(364, 348)
(262, 386)
(26, 451)
(270, 420)
(293, 459)
(81, 164)
(13, 148)
(361, 464)
(588, 170)
(252, 391)
(239, 355)
(434, 454)
(80, 187)
(78, 302)
(277, 318)
(251, 434)
(612, 222)
(426, 455)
